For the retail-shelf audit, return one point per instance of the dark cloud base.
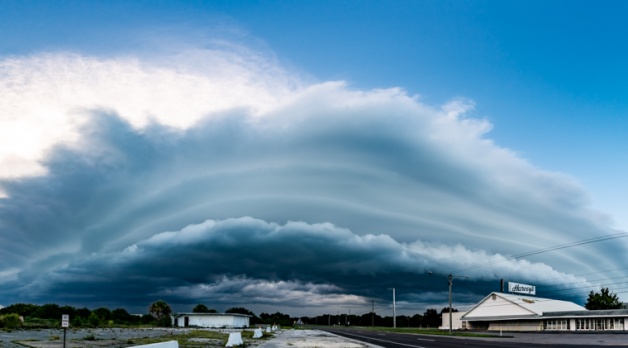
(345, 201)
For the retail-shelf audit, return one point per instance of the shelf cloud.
(218, 176)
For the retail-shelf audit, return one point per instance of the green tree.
(69, 310)
(159, 309)
(446, 310)
(94, 320)
(10, 321)
(240, 310)
(48, 311)
(604, 299)
(147, 319)
(431, 318)
(23, 309)
(121, 316)
(77, 321)
(200, 308)
(83, 313)
(277, 318)
(103, 313)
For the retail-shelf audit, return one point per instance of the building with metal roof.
(211, 320)
(513, 312)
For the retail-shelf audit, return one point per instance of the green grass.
(421, 331)
(36, 323)
(184, 338)
(437, 332)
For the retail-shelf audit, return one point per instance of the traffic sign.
(65, 320)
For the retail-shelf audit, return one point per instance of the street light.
(394, 309)
(450, 281)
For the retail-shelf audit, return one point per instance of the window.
(600, 324)
(556, 324)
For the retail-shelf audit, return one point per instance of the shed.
(211, 320)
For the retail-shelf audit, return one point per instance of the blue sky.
(485, 128)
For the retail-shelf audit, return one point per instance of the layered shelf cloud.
(214, 175)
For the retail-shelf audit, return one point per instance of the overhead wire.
(545, 250)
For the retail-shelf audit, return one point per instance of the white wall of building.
(456, 323)
(210, 320)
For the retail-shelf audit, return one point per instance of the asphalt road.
(395, 340)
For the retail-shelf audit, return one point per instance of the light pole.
(450, 281)
(394, 309)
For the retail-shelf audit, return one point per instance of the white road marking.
(377, 339)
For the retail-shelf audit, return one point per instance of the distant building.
(211, 320)
(513, 312)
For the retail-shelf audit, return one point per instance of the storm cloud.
(237, 183)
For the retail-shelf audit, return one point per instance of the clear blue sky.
(549, 76)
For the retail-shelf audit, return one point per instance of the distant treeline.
(42, 315)
(49, 315)
(430, 318)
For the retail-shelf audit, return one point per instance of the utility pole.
(450, 281)
(373, 313)
(394, 311)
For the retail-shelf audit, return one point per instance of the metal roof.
(589, 313)
(504, 306)
(211, 314)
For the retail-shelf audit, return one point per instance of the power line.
(552, 248)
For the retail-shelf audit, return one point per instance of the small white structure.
(258, 333)
(456, 322)
(211, 320)
(267, 328)
(235, 339)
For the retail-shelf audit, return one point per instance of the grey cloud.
(254, 262)
(348, 165)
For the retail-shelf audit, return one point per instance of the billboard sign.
(521, 288)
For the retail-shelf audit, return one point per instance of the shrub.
(94, 320)
(164, 322)
(10, 321)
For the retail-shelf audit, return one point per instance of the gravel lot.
(110, 338)
(117, 338)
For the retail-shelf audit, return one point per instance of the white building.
(456, 322)
(513, 312)
(211, 320)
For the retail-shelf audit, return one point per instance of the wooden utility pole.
(373, 313)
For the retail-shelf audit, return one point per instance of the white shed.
(211, 320)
